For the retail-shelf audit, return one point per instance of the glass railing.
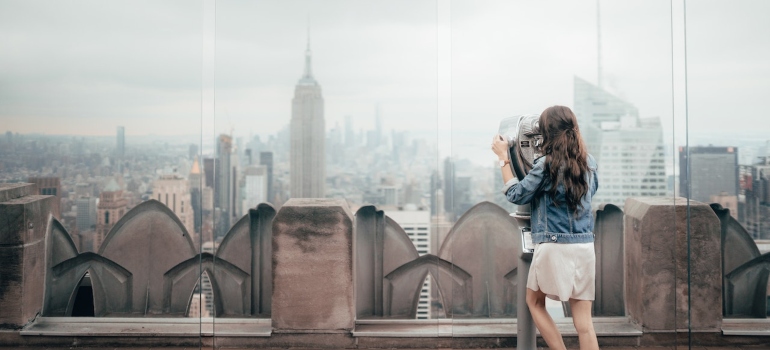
(186, 145)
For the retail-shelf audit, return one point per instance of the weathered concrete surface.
(148, 241)
(23, 222)
(744, 292)
(657, 264)
(313, 266)
(11, 191)
(485, 243)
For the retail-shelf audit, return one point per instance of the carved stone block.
(313, 266)
(23, 222)
(657, 261)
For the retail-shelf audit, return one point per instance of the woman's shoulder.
(592, 162)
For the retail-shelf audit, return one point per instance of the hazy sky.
(85, 67)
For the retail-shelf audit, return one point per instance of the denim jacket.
(552, 223)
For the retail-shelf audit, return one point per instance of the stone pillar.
(656, 265)
(23, 223)
(313, 266)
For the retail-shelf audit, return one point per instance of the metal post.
(525, 326)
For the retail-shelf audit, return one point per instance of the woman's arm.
(526, 189)
(523, 191)
(500, 147)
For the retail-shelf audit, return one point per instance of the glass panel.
(611, 64)
(726, 156)
(101, 108)
(335, 100)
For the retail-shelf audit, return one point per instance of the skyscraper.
(254, 187)
(224, 182)
(307, 151)
(86, 209)
(449, 188)
(266, 159)
(628, 149)
(196, 181)
(594, 106)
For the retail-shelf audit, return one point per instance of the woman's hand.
(500, 146)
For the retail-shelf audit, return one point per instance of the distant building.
(205, 282)
(417, 223)
(198, 306)
(112, 207)
(593, 106)
(389, 195)
(255, 187)
(49, 186)
(266, 159)
(172, 190)
(628, 149)
(225, 183)
(86, 209)
(192, 151)
(449, 188)
(209, 168)
(120, 150)
(84, 190)
(713, 172)
(196, 182)
(308, 137)
(350, 134)
(436, 204)
(756, 187)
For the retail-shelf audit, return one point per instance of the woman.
(559, 187)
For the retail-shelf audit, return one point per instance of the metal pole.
(525, 326)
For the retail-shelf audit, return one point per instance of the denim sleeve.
(594, 171)
(523, 191)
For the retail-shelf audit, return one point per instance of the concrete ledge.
(9, 191)
(480, 328)
(746, 326)
(147, 327)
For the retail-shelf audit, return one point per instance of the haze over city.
(82, 68)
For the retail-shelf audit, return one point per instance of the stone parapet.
(23, 223)
(658, 286)
(313, 266)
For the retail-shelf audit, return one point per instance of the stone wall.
(657, 265)
(23, 222)
(313, 266)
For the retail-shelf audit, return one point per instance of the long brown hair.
(566, 161)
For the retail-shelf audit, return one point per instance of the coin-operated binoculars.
(524, 141)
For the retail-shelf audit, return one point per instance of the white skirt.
(564, 271)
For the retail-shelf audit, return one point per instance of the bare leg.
(581, 317)
(543, 321)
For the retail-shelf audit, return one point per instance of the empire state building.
(308, 157)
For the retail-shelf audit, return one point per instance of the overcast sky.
(85, 67)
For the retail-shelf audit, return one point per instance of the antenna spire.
(308, 55)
